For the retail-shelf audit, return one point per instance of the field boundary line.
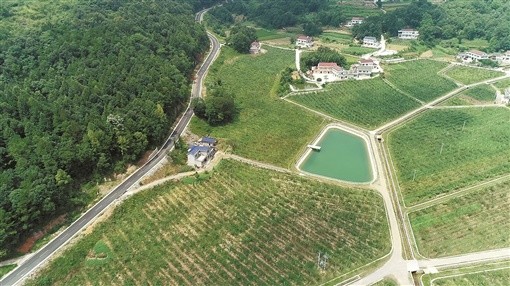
(472, 266)
(347, 124)
(468, 106)
(401, 91)
(455, 194)
(469, 273)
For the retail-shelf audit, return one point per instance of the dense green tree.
(241, 38)
(88, 89)
(323, 54)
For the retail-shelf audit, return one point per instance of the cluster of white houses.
(476, 55)
(328, 72)
(201, 152)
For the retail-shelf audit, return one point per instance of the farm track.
(458, 193)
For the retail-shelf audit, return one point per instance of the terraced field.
(367, 103)
(236, 226)
(443, 150)
(469, 75)
(481, 94)
(419, 78)
(465, 224)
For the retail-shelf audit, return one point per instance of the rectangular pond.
(343, 156)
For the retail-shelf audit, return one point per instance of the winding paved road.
(29, 265)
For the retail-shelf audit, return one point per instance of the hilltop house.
(473, 56)
(408, 34)
(354, 21)
(201, 152)
(255, 47)
(370, 42)
(304, 41)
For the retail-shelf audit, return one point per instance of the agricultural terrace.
(469, 75)
(367, 103)
(265, 34)
(419, 78)
(239, 226)
(480, 94)
(444, 150)
(268, 129)
(474, 222)
(502, 84)
(490, 277)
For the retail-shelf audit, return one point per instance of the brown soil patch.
(30, 242)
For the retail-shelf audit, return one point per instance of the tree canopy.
(323, 54)
(470, 19)
(86, 88)
(241, 37)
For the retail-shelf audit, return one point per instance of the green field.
(357, 51)
(485, 278)
(419, 78)
(239, 226)
(469, 75)
(336, 37)
(474, 222)
(481, 94)
(6, 269)
(443, 150)
(367, 103)
(268, 129)
(502, 84)
(265, 34)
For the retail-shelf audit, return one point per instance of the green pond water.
(343, 156)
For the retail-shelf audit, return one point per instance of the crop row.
(367, 103)
(242, 226)
(419, 78)
(444, 150)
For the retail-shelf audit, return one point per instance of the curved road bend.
(17, 275)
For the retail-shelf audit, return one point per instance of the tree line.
(458, 20)
(86, 89)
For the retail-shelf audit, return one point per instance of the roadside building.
(370, 42)
(255, 47)
(408, 34)
(201, 152)
(304, 41)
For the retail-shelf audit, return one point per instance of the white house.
(408, 34)
(255, 47)
(354, 21)
(327, 72)
(370, 42)
(503, 58)
(304, 41)
(474, 55)
(201, 152)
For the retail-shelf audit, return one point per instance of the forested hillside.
(85, 87)
(456, 19)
